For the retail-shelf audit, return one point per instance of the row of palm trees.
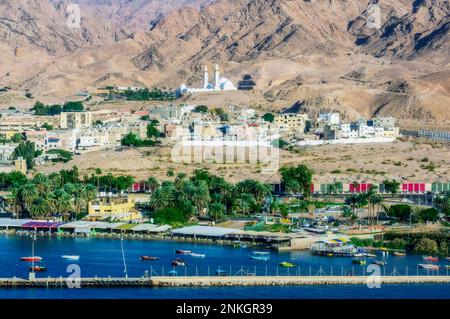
(45, 196)
(369, 199)
(204, 194)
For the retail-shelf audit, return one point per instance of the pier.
(209, 281)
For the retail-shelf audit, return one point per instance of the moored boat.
(429, 266)
(447, 258)
(430, 258)
(183, 252)
(370, 255)
(358, 261)
(447, 266)
(399, 253)
(197, 255)
(31, 259)
(260, 258)
(149, 258)
(178, 262)
(286, 264)
(38, 268)
(70, 257)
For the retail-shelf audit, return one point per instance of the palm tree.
(28, 194)
(63, 204)
(349, 214)
(42, 208)
(42, 183)
(216, 211)
(161, 198)
(14, 200)
(152, 183)
(179, 179)
(89, 192)
(201, 196)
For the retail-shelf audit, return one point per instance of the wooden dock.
(206, 281)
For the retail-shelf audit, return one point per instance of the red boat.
(183, 252)
(431, 258)
(38, 268)
(149, 258)
(31, 259)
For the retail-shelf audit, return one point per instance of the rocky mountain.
(358, 57)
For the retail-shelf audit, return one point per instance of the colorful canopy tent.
(42, 225)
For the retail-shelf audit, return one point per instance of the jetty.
(209, 281)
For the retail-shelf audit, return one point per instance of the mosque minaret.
(220, 84)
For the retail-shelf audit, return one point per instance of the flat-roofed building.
(291, 125)
(21, 165)
(75, 120)
(114, 208)
(7, 152)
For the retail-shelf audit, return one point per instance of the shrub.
(426, 246)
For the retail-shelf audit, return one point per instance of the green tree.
(443, 203)
(89, 193)
(392, 186)
(426, 246)
(152, 130)
(27, 151)
(152, 183)
(297, 179)
(217, 211)
(201, 109)
(201, 196)
(162, 197)
(73, 106)
(268, 117)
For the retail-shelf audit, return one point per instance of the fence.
(304, 271)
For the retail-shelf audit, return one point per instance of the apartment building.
(75, 120)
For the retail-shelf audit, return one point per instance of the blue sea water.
(103, 257)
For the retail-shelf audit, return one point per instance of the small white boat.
(428, 266)
(70, 257)
(197, 255)
(261, 253)
(370, 255)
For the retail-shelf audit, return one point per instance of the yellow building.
(115, 208)
(291, 124)
(21, 165)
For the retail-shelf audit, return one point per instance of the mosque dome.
(226, 84)
(183, 88)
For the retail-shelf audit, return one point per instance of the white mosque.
(220, 83)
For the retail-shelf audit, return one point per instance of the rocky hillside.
(313, 54)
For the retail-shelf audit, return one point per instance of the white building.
(330, 118)
(219, 84)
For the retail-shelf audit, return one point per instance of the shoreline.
(115, 236)
(219, 281)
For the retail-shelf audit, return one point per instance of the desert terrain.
(405, 159)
